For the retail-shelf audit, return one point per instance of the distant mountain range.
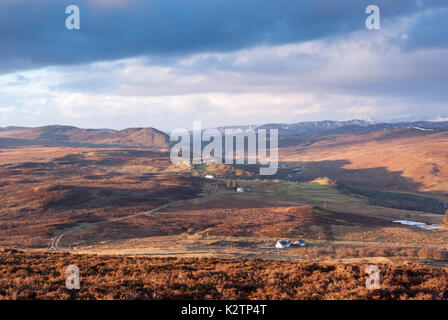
(315, 126)
(349, 126)
(57, 135)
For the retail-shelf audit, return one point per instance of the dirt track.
(55, 242)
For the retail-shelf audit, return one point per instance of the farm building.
(240, 190)
(299, 243)
(283, 244)
(209, 176)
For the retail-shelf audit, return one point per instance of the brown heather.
(41, 276)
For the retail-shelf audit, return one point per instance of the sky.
(167, 63)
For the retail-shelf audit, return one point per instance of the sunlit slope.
(406, 159)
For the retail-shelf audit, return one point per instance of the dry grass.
(48, 190)
(41, 276)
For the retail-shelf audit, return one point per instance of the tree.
(235, 185)
(229, 184)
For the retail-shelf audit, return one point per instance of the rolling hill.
(408, 159)
(72, 136)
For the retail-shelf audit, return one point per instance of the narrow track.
(56, 239)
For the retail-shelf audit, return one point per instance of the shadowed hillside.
(403, 159)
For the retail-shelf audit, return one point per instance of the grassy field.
(292, 192)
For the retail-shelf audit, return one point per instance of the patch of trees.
(398, 200)
(232, 184)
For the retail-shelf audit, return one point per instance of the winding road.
(56, 239)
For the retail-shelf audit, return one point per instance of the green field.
(305, 193)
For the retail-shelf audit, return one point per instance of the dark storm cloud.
(430, 30)
(33, 34)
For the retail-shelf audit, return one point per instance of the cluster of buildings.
(239, 189)
(285, 244)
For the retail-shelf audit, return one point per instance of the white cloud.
(6, 113)
(6, 110)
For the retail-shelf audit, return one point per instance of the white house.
(240, 190)
(283, 244)
(209, 176)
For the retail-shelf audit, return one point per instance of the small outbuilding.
(209, 176)
(299, 243)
